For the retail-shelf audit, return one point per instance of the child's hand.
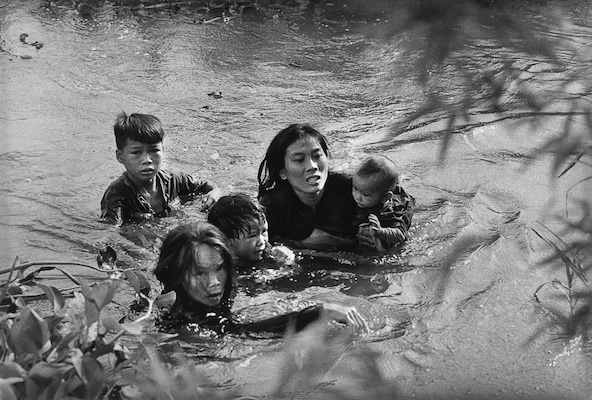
(210, 199)
(283, 255)
(367, 233)
(347, 315)
(374, 222)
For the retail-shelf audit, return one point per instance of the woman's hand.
(283, 254)
(210, 199)
(346, 315)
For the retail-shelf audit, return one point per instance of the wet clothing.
(219, 319)
(394, 216)
(290, 218)
(123, 202)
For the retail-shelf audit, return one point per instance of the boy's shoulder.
(122, 182)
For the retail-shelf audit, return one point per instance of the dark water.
(309, 62)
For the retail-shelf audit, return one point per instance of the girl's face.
(305, 167)
(206, 281)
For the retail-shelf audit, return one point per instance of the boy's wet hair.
(234, 213)
(382, 169)
(143, 128)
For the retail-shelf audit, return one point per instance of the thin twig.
(37, 263)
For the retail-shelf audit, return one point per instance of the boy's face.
(141, 160)
(249, 246)
(365, 193)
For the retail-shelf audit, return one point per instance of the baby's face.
(249, 245)
(365, 193)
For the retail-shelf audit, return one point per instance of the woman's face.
(206, 281)
(305, 167)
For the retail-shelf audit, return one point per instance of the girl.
(196, 264)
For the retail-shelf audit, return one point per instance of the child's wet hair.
(143, 128)
(234, 213)
(179, 252)
(381, 168)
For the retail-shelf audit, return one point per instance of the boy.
(145, 189)
(384, 210)
(242, 219)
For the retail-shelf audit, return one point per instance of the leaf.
(165, 299)
(132, 329)
(111, 324)
(29, 334)
(6, 392)
(93, 375)
(133, 280)
(54, 296)
(10, 369)
(98, 297)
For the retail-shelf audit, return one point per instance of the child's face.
(206, 281)
(141, 160)
(249, 246)
(365, 192)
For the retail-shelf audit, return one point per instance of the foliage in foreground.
(75, 351)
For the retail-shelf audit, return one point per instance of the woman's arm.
(321, 239)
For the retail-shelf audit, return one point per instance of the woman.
(196, 264)
(304, 201)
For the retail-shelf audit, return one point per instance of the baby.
(242, 219)
(146, 189)
(384, 210)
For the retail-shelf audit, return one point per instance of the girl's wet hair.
(234, 213)
(178, 257)
(273, 162)
(382, 169)
(143, 128)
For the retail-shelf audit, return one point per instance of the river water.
(453, 314)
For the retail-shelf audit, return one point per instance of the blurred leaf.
(133, 328)
(165, 299)
(98, 297)
(93, 376)
(6, 392)
(11, 369)
(111, 324)
(54, 296)
(29, 333)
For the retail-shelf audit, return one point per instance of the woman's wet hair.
(273, 162)
(178, 256)
(382, 169)
(143, 128)
(234, 213)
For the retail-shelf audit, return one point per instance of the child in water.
(384, 210)
(242, 219)
(146, 189)
(196, 264)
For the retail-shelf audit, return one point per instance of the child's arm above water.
(391, 226)
(190, 185)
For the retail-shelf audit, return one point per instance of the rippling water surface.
(463, 330)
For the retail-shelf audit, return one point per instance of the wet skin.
(206, 281)
(306, 168)
(365, 193)
(142, 162)
(249, 246)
